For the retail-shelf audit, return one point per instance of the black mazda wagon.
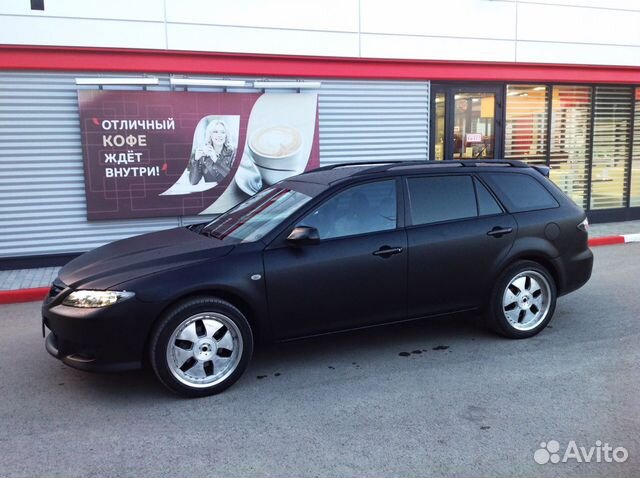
(340, 247)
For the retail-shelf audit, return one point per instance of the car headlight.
(95, 298)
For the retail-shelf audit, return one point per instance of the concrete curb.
(23, 295)
(610, 240)
(39, 293)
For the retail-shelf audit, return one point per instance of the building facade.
(553, 82)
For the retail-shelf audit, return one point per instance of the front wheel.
(201, 347)
(523, 300)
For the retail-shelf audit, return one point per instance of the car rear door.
(355, 276)
(458, 236)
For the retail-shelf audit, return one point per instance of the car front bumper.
(106, 339)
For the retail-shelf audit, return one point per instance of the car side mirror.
(304, 235)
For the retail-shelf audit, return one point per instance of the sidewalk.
(614, 229)
(30, 279)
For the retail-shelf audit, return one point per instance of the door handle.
(500, 231)
(386, 251)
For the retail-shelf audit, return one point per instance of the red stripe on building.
(171, 61)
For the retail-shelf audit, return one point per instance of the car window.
(487, 205)
(252, 219)
(441, 198)
(521, 192)
(360, 209)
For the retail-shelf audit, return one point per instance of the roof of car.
(338, 172)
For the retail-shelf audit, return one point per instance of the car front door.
(458, 236)
(355, 276)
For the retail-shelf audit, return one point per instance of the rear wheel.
(523, 300)
(201, 347)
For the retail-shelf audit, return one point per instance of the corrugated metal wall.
(373, 120)
(42, 201)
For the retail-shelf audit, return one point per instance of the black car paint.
(140, 256)
(344, 285)
(450, 262)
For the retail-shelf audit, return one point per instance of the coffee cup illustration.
(276, 152)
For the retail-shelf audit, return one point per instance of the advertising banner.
(150, 154)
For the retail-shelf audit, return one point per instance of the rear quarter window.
(521, 192)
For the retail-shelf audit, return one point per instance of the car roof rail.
(363, 164)
(381, 166)
(494, 162)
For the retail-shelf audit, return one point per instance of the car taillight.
(584, 225)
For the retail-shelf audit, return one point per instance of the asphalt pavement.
(442, 397)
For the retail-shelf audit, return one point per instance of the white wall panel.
(578, 25)
(23, 30)
(145, 10)
(260, 40)
(461, 18)
(597, 32)
(542, 52)
(434, 48)
(609, 4)
(327, 15)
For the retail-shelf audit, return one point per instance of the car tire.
(201, 346)
(523, 300)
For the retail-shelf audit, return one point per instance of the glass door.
(466, 122)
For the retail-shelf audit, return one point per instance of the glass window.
(521, 192)
(440, 120)
(441, 198)
(635, 163)
(360, 209)
(611, 143)
(526, 123)
(473, 130)
(570, 140)
(252, 219)
(487, 205)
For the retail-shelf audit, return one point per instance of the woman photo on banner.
(212, 160)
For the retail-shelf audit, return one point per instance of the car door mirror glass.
(304, 235)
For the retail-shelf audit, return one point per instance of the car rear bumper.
(576, 271)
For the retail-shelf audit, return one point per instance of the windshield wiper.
(197, 227)
(213, 233)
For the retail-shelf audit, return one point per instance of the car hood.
(138, 256)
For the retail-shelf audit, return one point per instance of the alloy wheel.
(204, 349)
(526, 300)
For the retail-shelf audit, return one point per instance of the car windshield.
(257, 216)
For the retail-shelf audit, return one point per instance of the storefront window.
(587, 140)
(611, 144)
(526, 123)
(473, 129)
(440, 122)
(635, 163)
(570, 138)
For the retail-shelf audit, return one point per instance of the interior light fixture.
(207, 82)
(147, 80)
(287, 84)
